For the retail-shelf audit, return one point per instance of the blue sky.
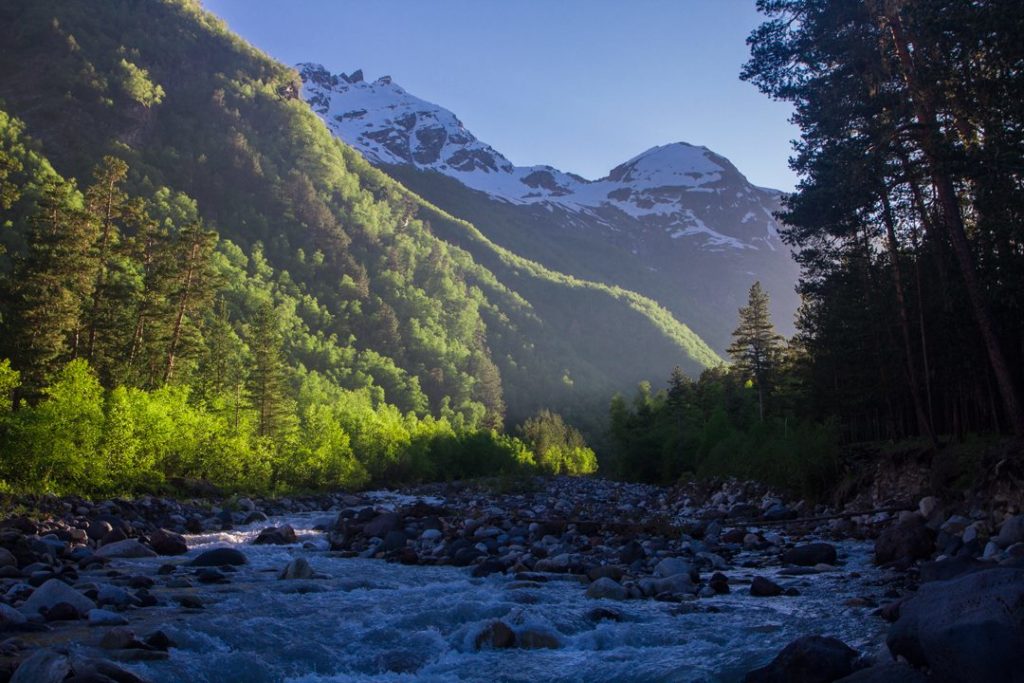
(582, 85)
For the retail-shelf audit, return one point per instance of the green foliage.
(559, 448)
(136, 84)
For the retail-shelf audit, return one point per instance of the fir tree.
(755, 348)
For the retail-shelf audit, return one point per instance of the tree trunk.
(923, 423)
(182, 306)
(953, 223)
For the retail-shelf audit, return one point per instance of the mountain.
(380, 288)
(677, 222)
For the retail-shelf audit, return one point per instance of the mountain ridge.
(678, 210)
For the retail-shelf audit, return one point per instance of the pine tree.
(268, 392)
(52, 284)
(193, 293)
(756, 346)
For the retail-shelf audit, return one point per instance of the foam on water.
(374, 621)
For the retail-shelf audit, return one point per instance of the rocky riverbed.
(568, 579)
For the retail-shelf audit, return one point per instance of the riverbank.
(563, 567)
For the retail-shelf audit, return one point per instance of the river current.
(368, 620)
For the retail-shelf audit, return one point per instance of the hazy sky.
(582, 85)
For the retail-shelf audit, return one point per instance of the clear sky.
(582, 85)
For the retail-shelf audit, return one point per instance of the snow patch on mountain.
(677, 188)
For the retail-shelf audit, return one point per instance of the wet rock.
(764, 588)
(296, 569)
(282, 535)
(672, 566)
(610, 571)
(129, 548)
(971, 627)
(98, 529)
(10, 617)
(53, 592)
(810, 555)
(607, 589)
(211, 575)
(393, 540)
(496, 634)
(218, 557)
(950, 567)
(810, 659)
(102, 617)
(904, 543)
(112, 595)
(121, 638)
(62, 611)
(382, 524)
(166, 542)
(190, 602)
(100, 671)
(631, 552)
(719, 583)
(488, 567)
(885, 672)
(7, 559)
(255, 517)
(45, 666)
(532, 639)
(1012, 531)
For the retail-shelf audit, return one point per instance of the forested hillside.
(200, 215)
(908, 223)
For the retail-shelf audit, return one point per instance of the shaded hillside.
(165, 86)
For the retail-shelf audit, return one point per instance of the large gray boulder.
(904, 543)
(607, 588)
(53, 592)
(810, 659)
(969, 628)
(1012, 531)
(128, 548)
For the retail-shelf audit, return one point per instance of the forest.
(198, 282)
(908, 224)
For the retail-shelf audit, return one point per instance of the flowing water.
(368, 620)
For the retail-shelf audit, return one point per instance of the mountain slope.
(678, 222)
(193, 108)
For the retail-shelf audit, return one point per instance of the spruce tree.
(268, 392)
(755, 348)
(52, 284)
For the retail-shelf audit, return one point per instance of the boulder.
(496, 634)
(102, 617)
(7, 559)
(297, 569)
(810, 659)
(1012, 531)
(218, 557)
(671, 566)
(761, 587)
(886, 672)
(810, 555)
(970, 627)
(904, 543)
(166, 542)
(607, 589)
(129, 548)
(52, 593)
(532, 639)
(282, 535)
(44, 666)
(383, 523)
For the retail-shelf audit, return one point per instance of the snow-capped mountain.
(676, 209)
(677, 185)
